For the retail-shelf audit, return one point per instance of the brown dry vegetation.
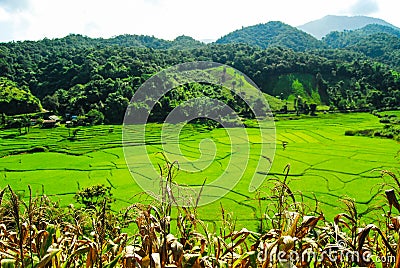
(36, 232)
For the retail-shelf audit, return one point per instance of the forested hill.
(127, 40)
(84, 76)
(381, 43)
(344, 39)
(181, 42)
(273, 33)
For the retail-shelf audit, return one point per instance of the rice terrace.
(323, 162)
(266, 148)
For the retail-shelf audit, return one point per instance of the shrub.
(385, 121)
(350, 133)
(94, 196)
(38, 149)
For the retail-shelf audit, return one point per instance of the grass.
(324, 162)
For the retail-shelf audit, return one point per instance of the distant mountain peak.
(321, 27)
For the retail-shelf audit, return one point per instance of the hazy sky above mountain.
(205, 19)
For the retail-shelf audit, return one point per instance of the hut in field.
(49, 123)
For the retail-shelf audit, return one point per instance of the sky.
(167, 19)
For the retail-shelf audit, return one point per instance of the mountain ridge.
(321, 27)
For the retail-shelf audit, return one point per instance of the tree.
(374, 97)
(3, 120)
(298, 88)
(298, 105)
(115, 105)
(18, 124)
(313, 109)
(342, 105)
(74, 133)
(94, 196)
(94, 117)
(26, 123)
(16, 100)
(50, 102)
(306, 108)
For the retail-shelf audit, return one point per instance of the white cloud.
(14, 5)
(167, 19)
(365, 7)
(4, 15)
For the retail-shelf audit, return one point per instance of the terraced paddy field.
(324, 163)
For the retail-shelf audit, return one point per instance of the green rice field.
(324, 163)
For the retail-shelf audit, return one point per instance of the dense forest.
(96, 77)
(381, 43)
(273, 33)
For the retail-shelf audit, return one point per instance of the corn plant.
(37, 232)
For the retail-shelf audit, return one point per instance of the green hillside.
(379, 42)
(344, 39)
(14, 100)
(79, 75)
(126, 40)
(273, 33)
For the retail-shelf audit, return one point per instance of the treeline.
(77, 75)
